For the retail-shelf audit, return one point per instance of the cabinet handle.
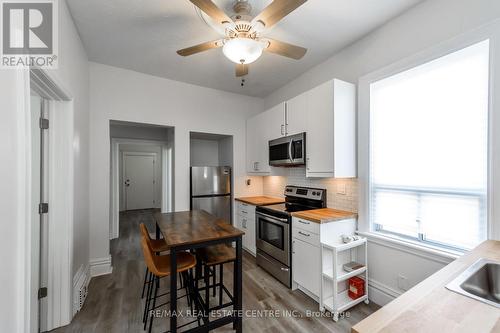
(244, 212)
(307, 163)
(257, 164)
(285, 269)
(293, 247)
(282, 129)
(304, 222)
(304, 234)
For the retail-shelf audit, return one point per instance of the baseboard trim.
(380, 293)
(100, 266)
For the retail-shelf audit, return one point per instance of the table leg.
(173, 290)
(157, 231)
(237, 287)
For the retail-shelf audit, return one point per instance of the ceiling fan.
(243, 42)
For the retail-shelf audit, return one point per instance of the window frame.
(365, 130)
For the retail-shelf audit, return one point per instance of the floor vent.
(80, 291)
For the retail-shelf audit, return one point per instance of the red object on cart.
(356, 287)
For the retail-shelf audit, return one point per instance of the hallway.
(114, 303)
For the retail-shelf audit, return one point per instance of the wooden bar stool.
(212, 257)
(159, 266)
(158, 246)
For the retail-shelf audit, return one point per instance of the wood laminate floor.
(114, 304)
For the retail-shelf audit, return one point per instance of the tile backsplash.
(335, 188)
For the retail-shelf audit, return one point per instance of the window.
(429, 150)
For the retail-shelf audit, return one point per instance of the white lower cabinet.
(245, 220)
(307, 237)
(306, 260)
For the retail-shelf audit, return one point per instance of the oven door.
(273, 237)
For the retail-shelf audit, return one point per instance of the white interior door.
(139, 180)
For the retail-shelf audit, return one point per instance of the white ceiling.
(143, 35)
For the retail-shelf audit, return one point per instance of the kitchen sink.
(481, 281)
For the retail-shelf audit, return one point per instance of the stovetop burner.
(297, 199)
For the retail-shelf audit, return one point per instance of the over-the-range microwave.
(288, 151)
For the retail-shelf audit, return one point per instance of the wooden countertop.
(430, 307)
(192, 227)
(262, 200)
(324, 215)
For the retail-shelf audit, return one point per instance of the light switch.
(341, 188)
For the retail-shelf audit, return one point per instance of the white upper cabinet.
(257, 146)
(275, 124)
(331, 130)
(327, 114)
(296, 115)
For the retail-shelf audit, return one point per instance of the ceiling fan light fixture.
(243, 50)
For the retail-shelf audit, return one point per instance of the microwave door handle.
(290, 152)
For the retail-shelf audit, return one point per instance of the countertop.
(261, 200)
(430, 307)
(324, 215)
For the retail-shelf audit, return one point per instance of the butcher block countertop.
(430, 307)
(324, 215)
(262, 200)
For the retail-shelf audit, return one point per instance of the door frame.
(60, 196)
(135, 153)
(167, 160)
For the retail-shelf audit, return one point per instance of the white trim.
(489, 31)
(61, 244)
(403, 245)
(60, 216)
(100, 266)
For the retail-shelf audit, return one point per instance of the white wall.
(73, 75)
(124, 95)
(204, 152)
(426, 25)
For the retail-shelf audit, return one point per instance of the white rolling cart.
(334, 279)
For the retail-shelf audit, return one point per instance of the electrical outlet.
(403, 283)
(341, 189)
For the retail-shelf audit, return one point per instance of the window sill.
(435, 253)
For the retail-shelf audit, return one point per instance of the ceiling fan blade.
(241, 70)
(200, 48)
(277, 10)
(285, 49)
(209, 8)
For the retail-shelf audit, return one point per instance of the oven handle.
(277, 219)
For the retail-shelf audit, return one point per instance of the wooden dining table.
(194, 229)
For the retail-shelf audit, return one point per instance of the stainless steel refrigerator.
(211, 190)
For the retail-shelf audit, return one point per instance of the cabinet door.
(257, 145)
(306, 263)
(275, 122)
(251, 144)
(250, 235)
(296, 115)
(319, 139)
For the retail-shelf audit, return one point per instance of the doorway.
(142, 172)
(51, 193)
